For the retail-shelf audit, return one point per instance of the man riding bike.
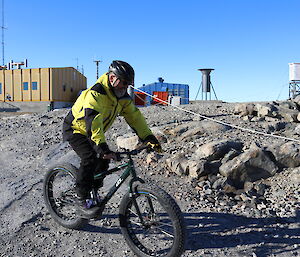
(90, 117)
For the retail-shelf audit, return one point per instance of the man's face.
(119, 86)
(118, 83)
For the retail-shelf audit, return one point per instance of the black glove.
(152, 142)
(102, 149)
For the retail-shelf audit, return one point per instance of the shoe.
(87, 208)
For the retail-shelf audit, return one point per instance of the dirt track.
(32, 142)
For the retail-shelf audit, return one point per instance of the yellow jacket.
(96, 109)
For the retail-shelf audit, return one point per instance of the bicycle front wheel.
(151, 222)
(59, 195)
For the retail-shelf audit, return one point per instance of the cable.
(220, 122)
(284, 85)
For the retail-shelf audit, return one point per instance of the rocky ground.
(261, 218)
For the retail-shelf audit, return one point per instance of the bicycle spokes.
(62, 195)
(150, 225)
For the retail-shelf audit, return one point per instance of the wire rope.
(217, 121)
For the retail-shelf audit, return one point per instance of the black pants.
(89, 166)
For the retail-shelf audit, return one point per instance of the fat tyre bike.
(150, 219)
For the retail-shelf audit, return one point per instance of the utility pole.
(97, 65)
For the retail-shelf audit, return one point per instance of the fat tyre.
(168, 209)
(62, 178)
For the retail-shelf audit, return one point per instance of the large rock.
(217, 149)
(288, 105)
(129, 142)
(177, 164)
(251, 165)
(267, 109)
(275, 126)
(287, 154)
(288, 115)
(245, 109)
(296, 100)
(196, 169)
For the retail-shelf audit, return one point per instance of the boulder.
(288, 114)
(230, 155)
(287, 154)
(296, 100)
(275, 126)
(245, 109)
(267, 109)
(177, 164)
(128, 141)
(196, 169)
(216, 149)
(131, 141)
(251, 165)
(289, 105)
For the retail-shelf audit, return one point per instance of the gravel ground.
(217, 224)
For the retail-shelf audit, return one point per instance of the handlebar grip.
(119, 157)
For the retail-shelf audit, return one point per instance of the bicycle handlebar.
(132, 152)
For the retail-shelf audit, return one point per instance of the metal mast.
(2, 27)
(97, 64)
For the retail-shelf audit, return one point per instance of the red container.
(139, 98)
(160, 96)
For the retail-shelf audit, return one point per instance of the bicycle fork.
(138, 211)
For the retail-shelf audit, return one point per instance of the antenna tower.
(97, 65)
(2, 28)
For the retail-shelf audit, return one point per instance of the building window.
(0, 88)
(25, 85)
(64, 88)
(34, 86)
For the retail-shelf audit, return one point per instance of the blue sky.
(249, 43)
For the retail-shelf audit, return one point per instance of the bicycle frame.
(128, 171)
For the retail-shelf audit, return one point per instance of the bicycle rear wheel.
(59, 196)
(161, 233)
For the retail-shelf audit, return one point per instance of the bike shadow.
(206, 230)
(222, 230)
(108, 223)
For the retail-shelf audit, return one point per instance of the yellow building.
(56, 86)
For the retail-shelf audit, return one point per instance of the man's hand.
(110, 156)
(152, 142)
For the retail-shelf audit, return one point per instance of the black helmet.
(122, 70)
